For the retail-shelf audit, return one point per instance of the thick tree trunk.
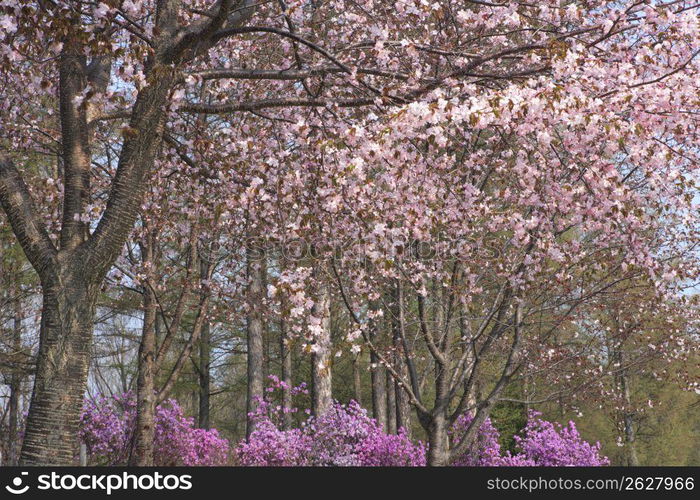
(438, 450)
(286, 358)
(255, 355)
(61, 373)
(321, 372)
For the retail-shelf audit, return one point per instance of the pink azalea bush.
(487, 450)
(541, 444)
(347, 436)
(547, 444)
(344, 436)
(107, 428)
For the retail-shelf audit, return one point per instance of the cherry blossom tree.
(531, 146)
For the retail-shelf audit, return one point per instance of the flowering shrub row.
(345, 436)
(107, 428)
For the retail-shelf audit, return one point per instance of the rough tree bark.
(255, 355)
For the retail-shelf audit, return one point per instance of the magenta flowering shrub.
(107, 428)
(545, 444)
(487, 450)
(347, 436)
(344, 436)
(542, 444)
(269, 446)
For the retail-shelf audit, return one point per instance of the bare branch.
(274, 103)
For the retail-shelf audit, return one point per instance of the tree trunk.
(390, 404)
(321, 358)
(403, 405)
(379, 409)
(204, 359)
(204, 377)
(144, 433)
(628, 415)
(255, 355)
(378, 378)
(15, 380)
(403, 410)
(438, 450)
(286, 358)
(61, 372)
(357, 379)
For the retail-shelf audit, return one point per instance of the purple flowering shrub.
(546, 444)
(344, 436)
(487, 450)
(541, 444)
(107, 428)
(347, 436)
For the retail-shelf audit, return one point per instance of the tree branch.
(17, 203)
(274, 103)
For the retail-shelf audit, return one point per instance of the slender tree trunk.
(256, 355)
(321, 359)
(61, 372)
(286, 358)
(205, 377)
(144, 434)
(391, 413)
(357, 379)
(403, 405)
(204, 360)
(403, 409)
(15, 380)
(628, 415)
